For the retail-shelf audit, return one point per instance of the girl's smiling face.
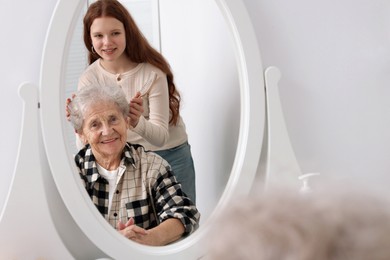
(105, 129)
(108, 38)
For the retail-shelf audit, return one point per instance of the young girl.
(120, 55)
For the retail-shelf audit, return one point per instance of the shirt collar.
(90, 165)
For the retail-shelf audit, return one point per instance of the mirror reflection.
(134, 190)
(213, 153)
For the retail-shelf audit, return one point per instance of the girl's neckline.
(131, 70)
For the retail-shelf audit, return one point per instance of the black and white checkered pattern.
(146, 191)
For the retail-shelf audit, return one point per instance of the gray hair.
(91, 95)
(326, 225)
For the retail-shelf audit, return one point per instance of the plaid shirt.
(146, 190)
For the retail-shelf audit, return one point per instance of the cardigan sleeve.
(153, 127)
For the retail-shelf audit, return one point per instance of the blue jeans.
(182, 164)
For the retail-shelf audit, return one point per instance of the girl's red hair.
(137, 49)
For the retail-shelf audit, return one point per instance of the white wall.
(197, 43)
(334, 57)
(23, 25)
(335, 62)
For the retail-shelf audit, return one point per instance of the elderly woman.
(135, 190)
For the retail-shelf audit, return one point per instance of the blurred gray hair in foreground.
(282, 224)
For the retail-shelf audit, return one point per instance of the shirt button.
(115, 214)
(117, 192)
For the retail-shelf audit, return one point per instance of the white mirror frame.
(76, 200)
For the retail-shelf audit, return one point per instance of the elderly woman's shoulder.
(147, 156)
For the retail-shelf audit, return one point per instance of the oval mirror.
(237, 170)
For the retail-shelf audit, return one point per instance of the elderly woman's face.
(105, 129)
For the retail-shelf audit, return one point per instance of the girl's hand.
(67, 110)
(136, 109)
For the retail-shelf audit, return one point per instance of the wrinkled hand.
(136, 109)
(131, 231)
(67, 110)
